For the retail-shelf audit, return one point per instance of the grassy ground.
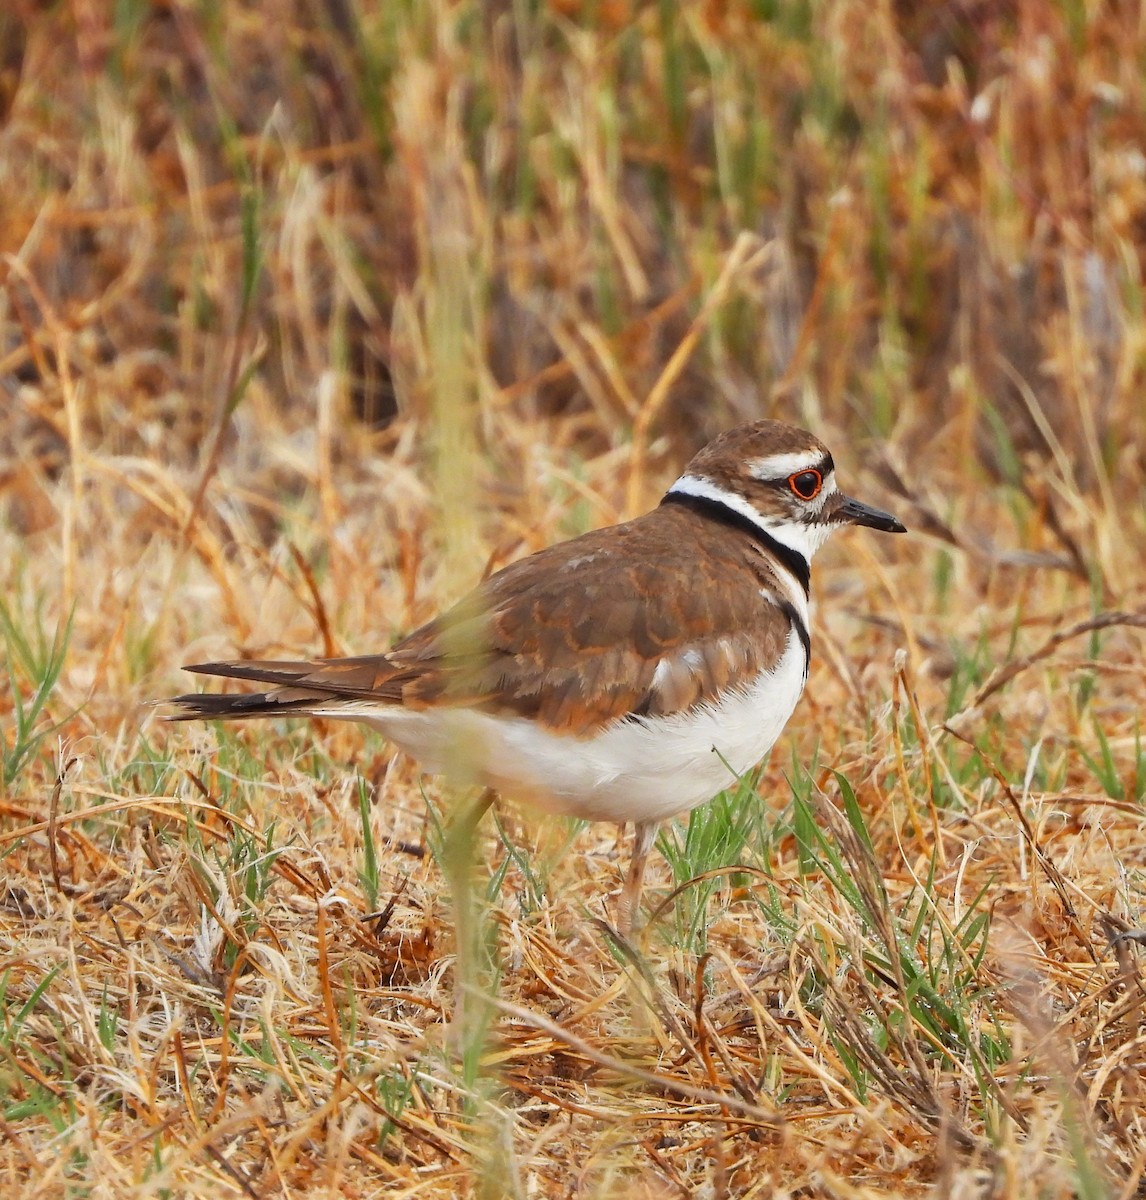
(313, 312)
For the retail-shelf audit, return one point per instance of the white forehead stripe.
(780, 466)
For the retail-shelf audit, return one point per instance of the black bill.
(858, 513)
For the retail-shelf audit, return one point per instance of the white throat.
(804, 539)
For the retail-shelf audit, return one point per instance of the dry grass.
(313, 312)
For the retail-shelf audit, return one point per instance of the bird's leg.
(645, 834)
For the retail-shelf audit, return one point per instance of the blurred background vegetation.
(314, 309)
(226, 204)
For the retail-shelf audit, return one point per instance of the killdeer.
(628, 674)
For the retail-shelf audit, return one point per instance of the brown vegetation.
(313, 311)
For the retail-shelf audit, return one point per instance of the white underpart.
(780, 466)
(636, 769)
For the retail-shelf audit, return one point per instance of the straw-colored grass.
(312, 314)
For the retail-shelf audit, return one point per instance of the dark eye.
(806, 484)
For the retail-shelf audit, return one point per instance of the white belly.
(643, 769)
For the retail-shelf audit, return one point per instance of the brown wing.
(655, 616)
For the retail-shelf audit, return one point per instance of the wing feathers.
(650, 618)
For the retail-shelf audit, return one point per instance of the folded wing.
(590, 631)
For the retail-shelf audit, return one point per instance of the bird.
(628, 674)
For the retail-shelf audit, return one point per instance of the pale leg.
(645, 834)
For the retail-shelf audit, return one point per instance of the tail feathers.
(372, 676)
(203, 706)
(260, 672)
(302, 688)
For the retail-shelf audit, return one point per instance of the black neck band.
(796, 564)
